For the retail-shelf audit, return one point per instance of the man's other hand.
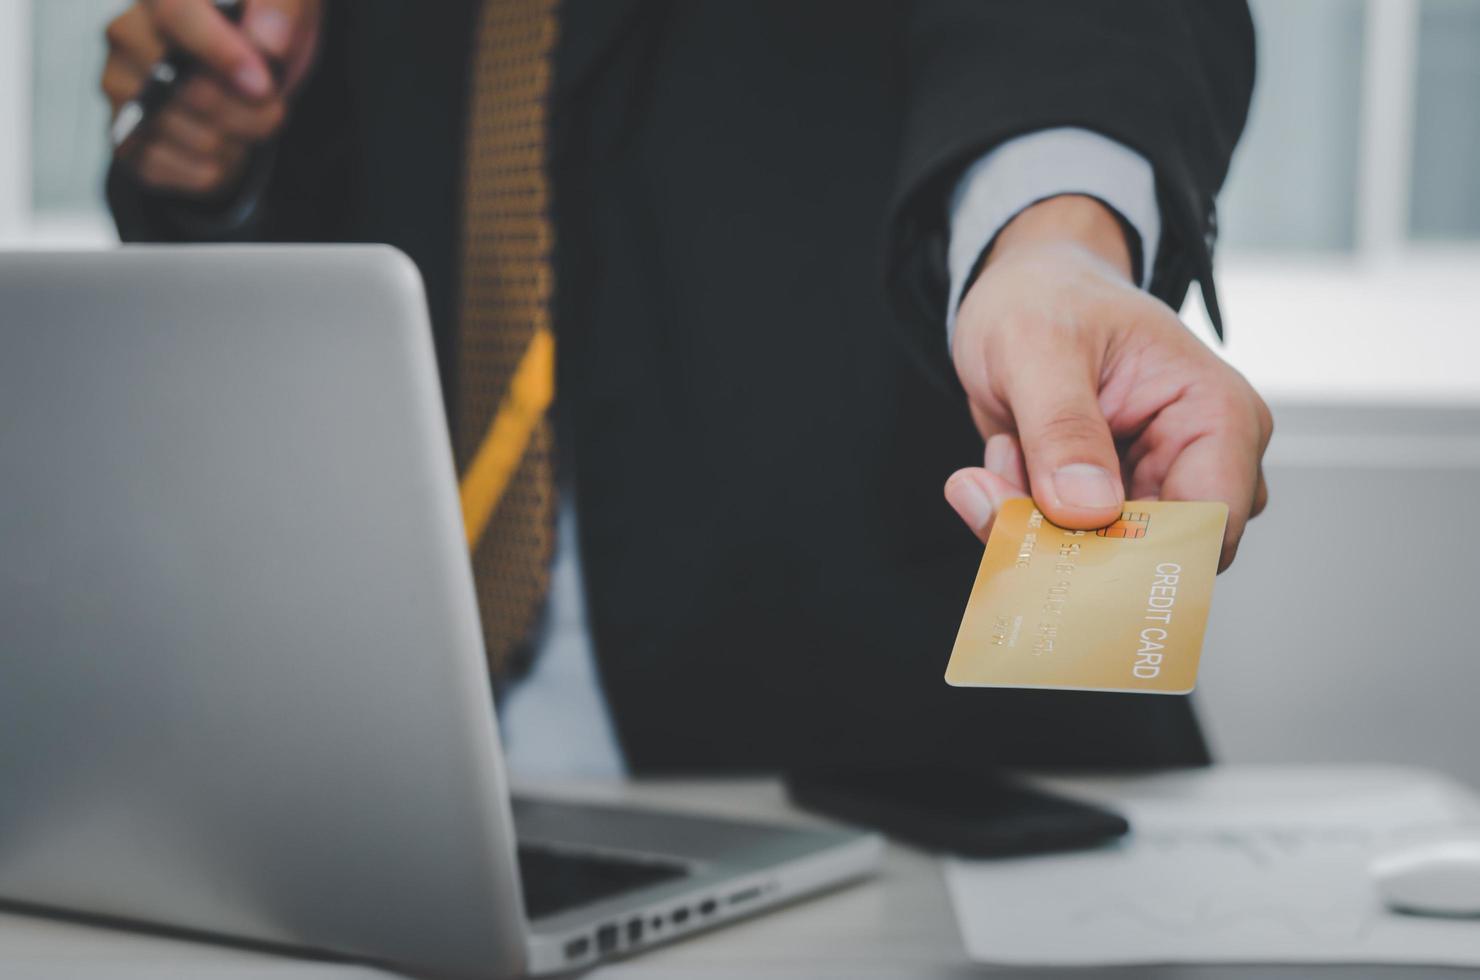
(198, 144)
(1089, 390)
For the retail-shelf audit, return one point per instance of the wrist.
(1068, 219)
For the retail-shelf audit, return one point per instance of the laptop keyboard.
(556, 880)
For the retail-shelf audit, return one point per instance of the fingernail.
(1087, 486)
(252, 79)
(270, 30)
(997, 455)
(971, 501)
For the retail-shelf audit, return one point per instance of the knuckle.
(1243, 404)
(112, 87)
(198, 138)
(1159, 313)
(1265, 417)
(116, 33)
(210, 142)
(168, 10)
(146, 175)
(1232, 403)
(172, 142)
(148, 169)
(277, 114)
(259, 122)
(165, 144)
(268, 118)
(206, 177)
(204, 97)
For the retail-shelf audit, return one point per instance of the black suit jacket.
(754, 389)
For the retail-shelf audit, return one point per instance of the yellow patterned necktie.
(505, 359)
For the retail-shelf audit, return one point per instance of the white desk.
(899, 925)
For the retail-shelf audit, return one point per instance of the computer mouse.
(1440, 876)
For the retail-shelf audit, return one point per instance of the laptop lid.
(241, 672)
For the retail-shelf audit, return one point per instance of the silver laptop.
(241, 673)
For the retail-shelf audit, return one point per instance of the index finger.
(1221, 465)
(200, 30)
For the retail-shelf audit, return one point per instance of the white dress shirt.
(555, 721)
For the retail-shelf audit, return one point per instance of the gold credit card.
(1121, 609)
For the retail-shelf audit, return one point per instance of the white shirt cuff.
(1047, 163)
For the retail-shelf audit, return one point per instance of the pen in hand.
(165, 78)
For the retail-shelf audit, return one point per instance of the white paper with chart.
(1251, 865)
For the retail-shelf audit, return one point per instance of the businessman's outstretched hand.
(1089, 390)
(198, 145)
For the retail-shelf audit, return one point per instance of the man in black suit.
(806, 257)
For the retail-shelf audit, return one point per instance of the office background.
(1350, 275)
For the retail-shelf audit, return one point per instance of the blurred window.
(1362, 147)
(1351, 218)
(1293, 183)
(1445, 191)
(1297, 182)
(69, 117)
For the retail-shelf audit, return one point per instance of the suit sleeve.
(296, 189)
(1169, 79)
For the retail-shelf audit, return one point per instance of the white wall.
(1347, 629)
(15, 120)
(1404, 328)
